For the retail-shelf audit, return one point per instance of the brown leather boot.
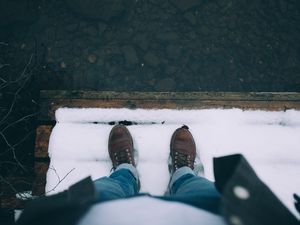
(182, 149)
(120, 146)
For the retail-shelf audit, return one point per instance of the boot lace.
(181, 159)
(123, 157)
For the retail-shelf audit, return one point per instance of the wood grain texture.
(37, 183)
(12, 185)
(52, 100)
(12, 203)
(40, 170)
(9, 187)
(263, 96)
(43, 133)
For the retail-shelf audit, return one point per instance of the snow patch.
(269, 140)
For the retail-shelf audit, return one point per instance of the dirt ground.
(141, 45)
(152, 45)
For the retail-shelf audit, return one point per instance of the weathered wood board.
(50, 101)
(9, 187)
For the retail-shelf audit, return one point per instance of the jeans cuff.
(129, 167)
(179, 173)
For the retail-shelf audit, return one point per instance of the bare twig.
(8, 183)
(22, 195)
(59, 179)
(4, 81)
(23, 139)
(22, 76)
(18, 121)
(6, 141)
(17, 160)
(12, 150)
(17, 92)
(17, 86)
(3, 65)
(17, 144)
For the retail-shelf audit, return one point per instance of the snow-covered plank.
(269, 140)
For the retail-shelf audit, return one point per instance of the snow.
(269, 140)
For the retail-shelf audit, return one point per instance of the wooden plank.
(40, 169)
(12, 203)
(10, 186)
(52, 100)
(35, 184)
(41, 164)
(106, 95)
(43, 133)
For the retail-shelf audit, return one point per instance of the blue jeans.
(184, 187)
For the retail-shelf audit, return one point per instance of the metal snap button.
(241, 192)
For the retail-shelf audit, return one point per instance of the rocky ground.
(142, 45)
(152, 45)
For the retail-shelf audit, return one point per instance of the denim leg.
(186, 187)
(122, 183)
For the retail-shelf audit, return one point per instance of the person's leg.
(184, 185)
(122, 183)
(198, 191)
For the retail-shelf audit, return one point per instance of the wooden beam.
(40, 170)
(37, 183)
(41, 164)
(50, 101)
(106, 95)
(10, 186)
(12, 203)
(43, 133)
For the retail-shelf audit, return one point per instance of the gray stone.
(142, 41)
(18, 11)
(50, 34)
(190, 17)
(63, 65)
(166, 84)
(92, 58)
(101, 27)
(173, 51)
(283, 5)
(151, 59)
(71, 27)
(104, 10)
(184, 5)
(155, 2)
(171, 70)
(130, 54)
(100, 62)
(113, 70)
(91, 30)
(112, 50)
(167, 36)
(192, 34)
